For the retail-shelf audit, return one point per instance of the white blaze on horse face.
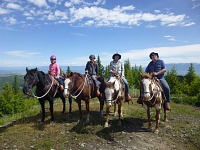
(117, 83)
(146, 85)
(66, 88)
(108, 94)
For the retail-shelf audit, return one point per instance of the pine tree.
(191, 75)
(101, 68)
(172, 80)
(15, 85)
(107, 72)
(68, 70)
(128, 72)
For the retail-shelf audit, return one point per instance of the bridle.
(36, 80)
(152, 92)
(81, 87)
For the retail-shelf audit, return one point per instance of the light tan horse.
(114, 93)
(151, 93)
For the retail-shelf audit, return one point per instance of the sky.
(33, 30)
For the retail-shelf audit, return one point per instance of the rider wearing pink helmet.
(54, 70)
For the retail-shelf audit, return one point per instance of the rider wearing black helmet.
(92, 69)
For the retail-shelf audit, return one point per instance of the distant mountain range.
(182, 69)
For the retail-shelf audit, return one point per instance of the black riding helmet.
(91, 57)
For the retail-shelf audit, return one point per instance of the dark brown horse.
(151, 93)
(114, 92)
(81, 87)
(46, 89)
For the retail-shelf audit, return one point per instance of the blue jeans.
(126, 85)
(166, 88)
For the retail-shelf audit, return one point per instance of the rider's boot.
(97, 92)
(127, 97)
(61, 87)
(167, 106)
(139, 100)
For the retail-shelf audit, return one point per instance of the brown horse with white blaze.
(81, 87)
(151, 94)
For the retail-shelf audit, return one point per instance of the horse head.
(67, 81)
(30, 80)
(149, 87)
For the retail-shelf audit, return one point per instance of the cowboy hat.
(116, 54)
(153, 53)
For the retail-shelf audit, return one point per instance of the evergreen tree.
(15, 85)
(172, 80)
(107, 72)
(68, 70)
(191, 75)
(101, 68)
(128, 72)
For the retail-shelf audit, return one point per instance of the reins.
(83, 83)
(44, 94)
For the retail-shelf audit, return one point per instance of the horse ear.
(71, 73)
(26, 69)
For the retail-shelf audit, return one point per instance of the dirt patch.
(182, 131)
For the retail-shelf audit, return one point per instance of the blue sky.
(33, 30)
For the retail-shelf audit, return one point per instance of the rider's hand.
(86, 71)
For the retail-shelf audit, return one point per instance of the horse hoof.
(51, 123)
(87, 121)
(156, 131)
(106, 125)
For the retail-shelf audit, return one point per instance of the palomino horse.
(151, 94)
(114, 92)
(81, 87)
(46, 89)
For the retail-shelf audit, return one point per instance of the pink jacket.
(54, 69)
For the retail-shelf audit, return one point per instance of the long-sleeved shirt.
(54, 69)
(117, 66)
(92, 68)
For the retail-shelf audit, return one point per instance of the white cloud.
(39, 3)
(24, 54)
(170, 38)
(14, 6)
(3, 11)
(10, 20)
(53, 1)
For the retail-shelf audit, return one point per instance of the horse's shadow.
(37, 125)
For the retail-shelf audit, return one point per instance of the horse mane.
(41, 76)
(146, 75)
(77, 74)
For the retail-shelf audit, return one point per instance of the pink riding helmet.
(53, 57)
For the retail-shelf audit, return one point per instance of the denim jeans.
(166, 88)
(126, 85)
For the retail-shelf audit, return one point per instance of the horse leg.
(79, 107)
(115, 112)
(63, 101)
(87, 104)
(70, 104)
(42, 103)
(51, 109)
(119, 113)
(157, 117)
(101, 101)
(149, 118)
(107, 115)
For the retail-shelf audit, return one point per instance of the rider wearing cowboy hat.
(157, 68)
(117, 67)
